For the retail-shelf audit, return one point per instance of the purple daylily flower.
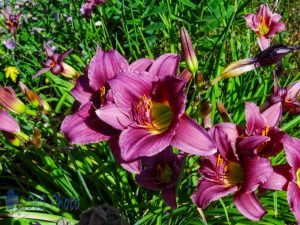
(93, 92)
(162, 172)
(266, 24)
(230, 172)
(287, 176)
(287, 96)
(262, 127)
(87, 8)
(8, 123)
(55, 63)
(12, 21)
(149, 111)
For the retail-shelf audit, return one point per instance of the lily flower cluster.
(140, 109)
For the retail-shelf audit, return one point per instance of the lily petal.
(113, 116)
(273, 114)
(8, 123)
(263, 42)
(256, 171)
(128, 88)
(254, 120)
(293, 91)
(192, 138)
(279, 178)
(293, 196)
(138, 142)
(249, 206)
(133, 166)
(141, 65)
(169, 195)
(85, 127)
(165, 65)
(104, 66)
(208, 191)
(82, 91)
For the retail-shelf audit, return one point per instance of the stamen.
(265, 131)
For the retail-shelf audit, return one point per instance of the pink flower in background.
(87, 8)
(12, 21)
(266, 24)
(55, 63)
(287, 96)
(9, 44)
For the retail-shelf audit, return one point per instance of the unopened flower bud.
(10, 101)
(12, 139)
(223, 112)
(188, 51)
(205, 107)
(185, 75)
(35, 99)
(36, 138)
(199, 78)
(69, 71)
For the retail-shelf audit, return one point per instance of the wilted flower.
(87, 8)
(9, 44)
(162, 172)
(188, 51)
(34, 99)
(266, 24)
(229, 172)
(149, 110)
(268, 57)
(12, 21)
(12, 73)
(55, 63)
(287, 96)
(10, 101)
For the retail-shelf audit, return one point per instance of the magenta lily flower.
(266, 24)
(149, 111)
(8, 123)
(263, 126)
(93, 92)
(287, 176)
(287, 96)
(87, 8)
(12, 21)
(229, 172)
(55, 63)
(162, 172)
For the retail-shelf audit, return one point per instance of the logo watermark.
(40, 201)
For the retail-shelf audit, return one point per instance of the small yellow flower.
(11, 72)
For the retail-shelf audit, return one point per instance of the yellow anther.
(219, 160)
(265, 131)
